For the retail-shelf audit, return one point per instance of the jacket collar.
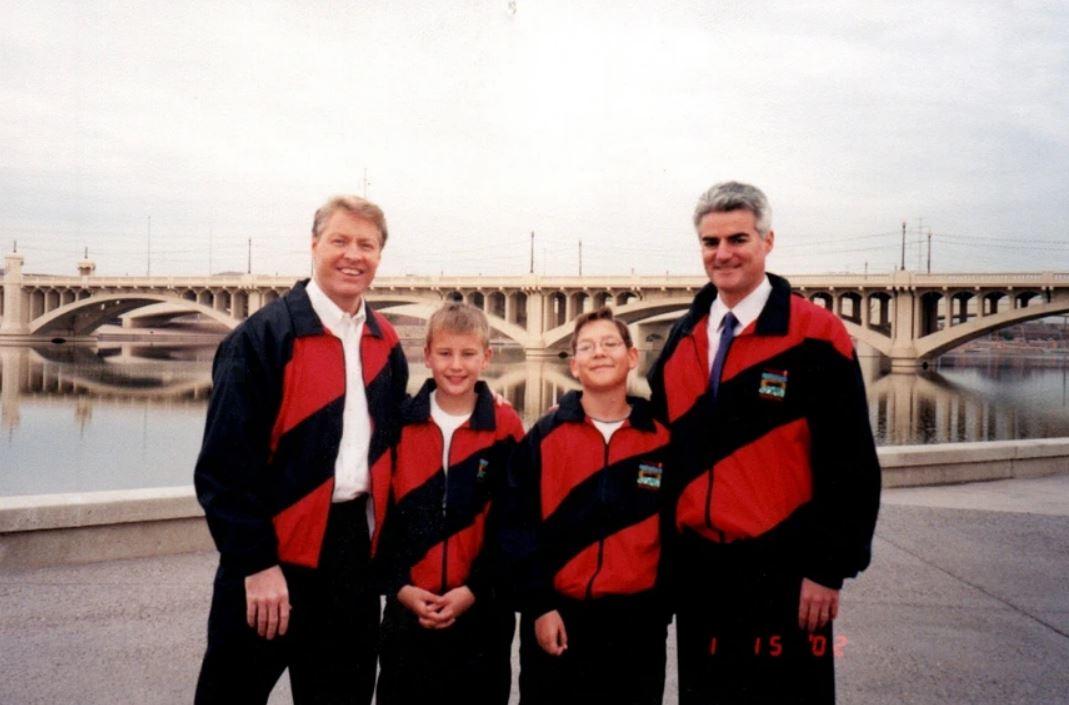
(773, 320)
(570, 409)
(417, 409)
(305, 320)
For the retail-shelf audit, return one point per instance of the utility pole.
(248, 266)
(920, 231)
(532, 252)
(580, 256)
(929, 250)
(902, 264)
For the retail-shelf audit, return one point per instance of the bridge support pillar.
(14, 364)
(904, 332)
(536, 314)
(16, 311)
(256, 301)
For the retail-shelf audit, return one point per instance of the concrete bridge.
(906, 316)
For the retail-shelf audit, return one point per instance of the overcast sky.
(479, 121)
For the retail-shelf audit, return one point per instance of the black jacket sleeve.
(230, 470)
(529, 586)
(846, 473)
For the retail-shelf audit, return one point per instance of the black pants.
(467, 663)
(330, 646)
(615, 655)
(737, 631)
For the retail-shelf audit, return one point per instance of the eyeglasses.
(608, 345)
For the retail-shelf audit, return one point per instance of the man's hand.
(817, 606)
(267, 602)
(549, 630)
(421, 603)
(451, 605)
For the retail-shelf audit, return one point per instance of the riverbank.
(964, 603)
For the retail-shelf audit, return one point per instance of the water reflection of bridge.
(77, 376)
(928, 408)
(919, 408)
(906, 316)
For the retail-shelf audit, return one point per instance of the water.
(125, 416)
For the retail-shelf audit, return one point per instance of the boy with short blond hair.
(582, 525)
(445, 635)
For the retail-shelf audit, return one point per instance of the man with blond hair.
(776, 478)
(294, 478)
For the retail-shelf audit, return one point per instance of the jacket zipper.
(445, 504)
(709, 472)
(601, 542)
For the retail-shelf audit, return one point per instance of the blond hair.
(355, 206)
(461, 318)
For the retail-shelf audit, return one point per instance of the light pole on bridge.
(902, 265)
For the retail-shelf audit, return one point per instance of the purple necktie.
(727, 334)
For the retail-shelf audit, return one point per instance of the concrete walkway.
(966, 602)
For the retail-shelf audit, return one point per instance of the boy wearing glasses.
(581, 530)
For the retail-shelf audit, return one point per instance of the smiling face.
(602, 359)
(345, 257)
(456, 360)
(733, 253)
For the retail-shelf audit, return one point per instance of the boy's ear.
(632, 358)
(573, 367)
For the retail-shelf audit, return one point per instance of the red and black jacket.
(786, 450)
(434, 538)
(265, 474)
(583, 517)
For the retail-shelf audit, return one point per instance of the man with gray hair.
(294, 476)
(775, 474)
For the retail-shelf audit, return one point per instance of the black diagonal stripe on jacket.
(435, 536)
(582, 518)
(786, 451)
(265, 474)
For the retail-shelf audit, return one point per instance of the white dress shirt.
(350, 468)
(746, 312)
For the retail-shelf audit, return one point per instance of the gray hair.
(355, 206)
(732, 196)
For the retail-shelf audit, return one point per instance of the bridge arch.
(935, 344)
(636, 311)
(83, 316)
(418, 307)
(643, 310)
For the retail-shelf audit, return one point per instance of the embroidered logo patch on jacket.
(480, 474)
(773, 384)
(649, 476)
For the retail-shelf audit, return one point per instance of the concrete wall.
(91, 526)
